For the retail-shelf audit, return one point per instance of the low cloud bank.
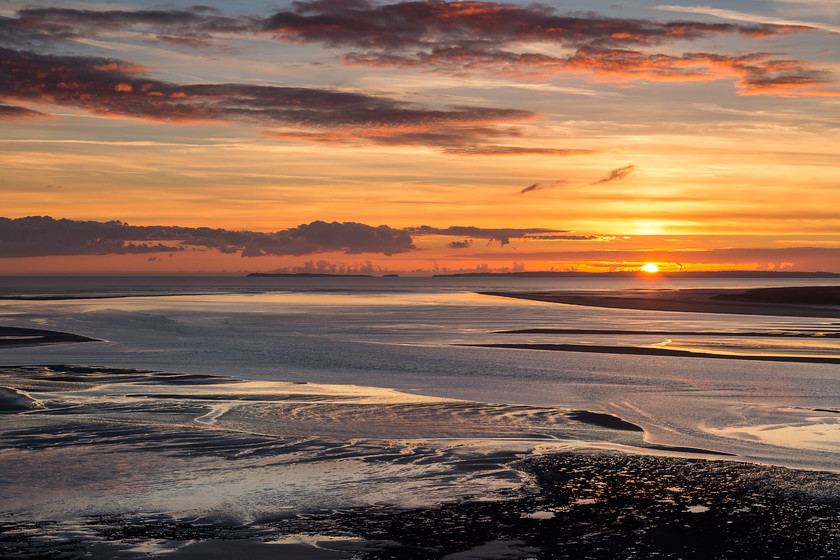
(39, 236)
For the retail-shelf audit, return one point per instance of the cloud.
(41, 236)
(568, 237)
(350, 237)
(452, 140)
(502, 235)
(457, 37)
(542, 186)
(756, 18)
(196, 27)
(38, 236)
(753, 73)
(616, 174)
(462, 37)
(429, 25)
(486, 150)
(13, 112)
(116, 87)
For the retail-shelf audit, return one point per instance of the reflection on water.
(808, 429)
(821, 347)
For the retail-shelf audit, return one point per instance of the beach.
(105, 461)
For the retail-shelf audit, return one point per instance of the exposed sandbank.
(18, 336)
(780, 333)
(796, 301)
(667, 352)
(15, 401)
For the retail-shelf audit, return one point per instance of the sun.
(650, 267)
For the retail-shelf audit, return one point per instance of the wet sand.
(567, 504)
(819, 301)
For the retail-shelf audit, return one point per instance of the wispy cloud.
(616, 174)
(542, 186)
(735, 15)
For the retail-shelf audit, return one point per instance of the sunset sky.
(419, 136)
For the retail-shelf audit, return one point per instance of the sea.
(242, 398)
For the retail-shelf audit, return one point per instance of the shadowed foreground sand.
(600, 505)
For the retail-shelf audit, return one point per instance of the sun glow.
(650, 267)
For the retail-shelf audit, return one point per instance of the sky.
(419, 137)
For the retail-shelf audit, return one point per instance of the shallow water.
(425, 418)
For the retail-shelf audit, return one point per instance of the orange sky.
(525, 137)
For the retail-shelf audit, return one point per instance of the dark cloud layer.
(754, 73)
(436, 24)
(38, 236)
(428, 26)
(485, 36)
(454, 37)
(116, 87)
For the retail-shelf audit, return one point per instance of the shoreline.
(788, 302)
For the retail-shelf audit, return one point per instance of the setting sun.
(650, 267)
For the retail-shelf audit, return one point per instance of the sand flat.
(818, 301)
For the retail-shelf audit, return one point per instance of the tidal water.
(362, 390)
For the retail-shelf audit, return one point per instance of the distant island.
(637, 273)
(305, 275)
